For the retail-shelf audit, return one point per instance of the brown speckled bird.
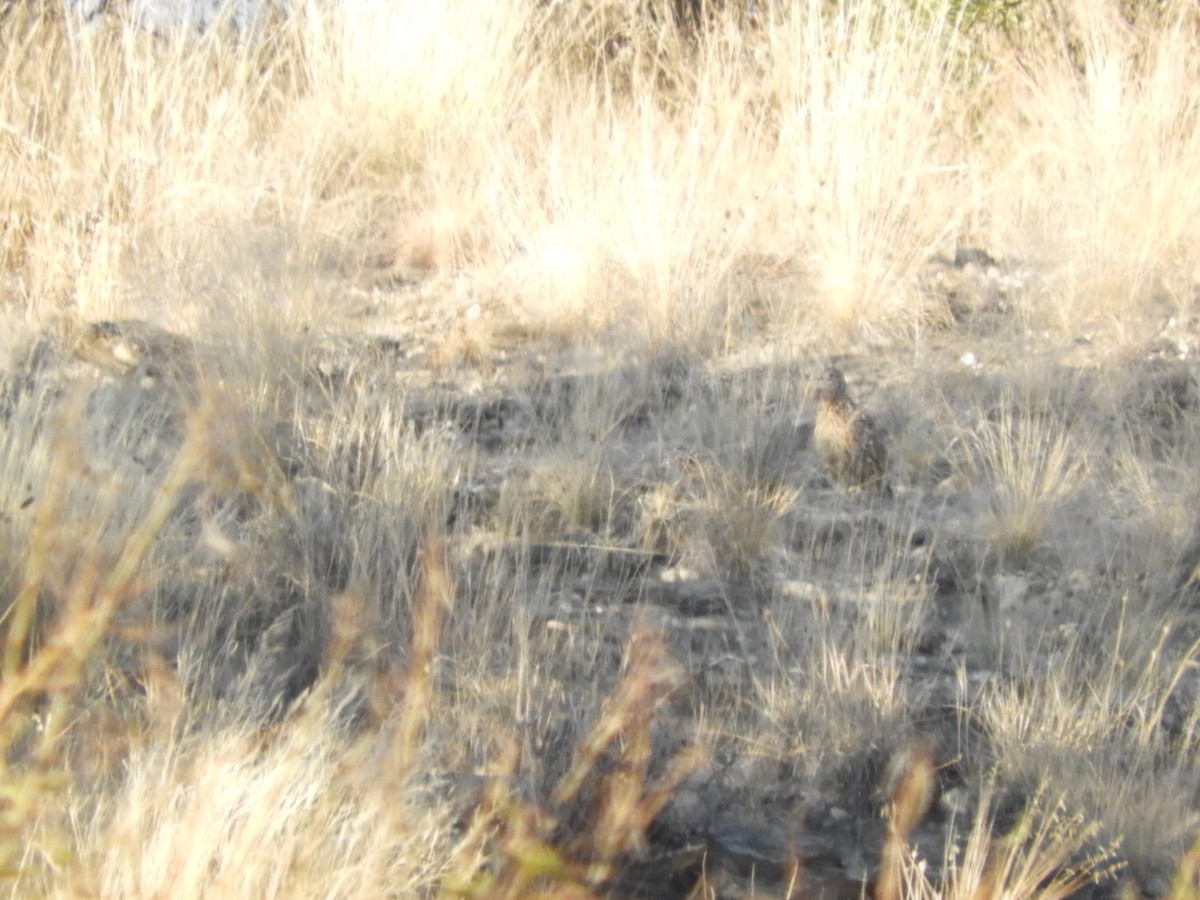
(847, 440)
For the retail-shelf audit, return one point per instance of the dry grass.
(1032, 465)
(449, 610)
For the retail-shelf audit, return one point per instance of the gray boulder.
(167, 16)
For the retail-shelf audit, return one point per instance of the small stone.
(955, 801)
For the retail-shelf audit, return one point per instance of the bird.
(849, 443)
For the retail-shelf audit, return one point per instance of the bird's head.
(831, 386)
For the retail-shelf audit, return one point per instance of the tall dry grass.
(582, 170)
(597, 165)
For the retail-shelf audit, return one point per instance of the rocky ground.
(1042, 485)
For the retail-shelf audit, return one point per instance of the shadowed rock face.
(134, 347)
(847, 440)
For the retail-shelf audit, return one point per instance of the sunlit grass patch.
(1111, 731)
(738, 517)
(1045, 850)
(1030, 463)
